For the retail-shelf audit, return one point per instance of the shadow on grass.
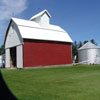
(5, 93)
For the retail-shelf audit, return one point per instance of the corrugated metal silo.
(89, 54)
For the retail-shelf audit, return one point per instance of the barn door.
(13, 57)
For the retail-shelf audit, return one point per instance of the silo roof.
(89, 45)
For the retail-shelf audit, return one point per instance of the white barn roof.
(89, 45)
(33, 30)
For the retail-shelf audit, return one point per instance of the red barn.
(36, 42)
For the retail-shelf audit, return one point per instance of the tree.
(74, 50)
(2, 51)
(80, 44)
(93, 41)
(85, 41)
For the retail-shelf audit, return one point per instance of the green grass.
(61, 83)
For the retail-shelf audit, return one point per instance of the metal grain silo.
(89, 54)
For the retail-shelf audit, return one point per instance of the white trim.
(7, 58)
(20, 56)
(39, 14)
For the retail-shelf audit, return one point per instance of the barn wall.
(42, 20)
(13, 36)
(37, 53)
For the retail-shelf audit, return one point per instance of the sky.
(80, 18)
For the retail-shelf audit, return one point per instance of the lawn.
(60, 83)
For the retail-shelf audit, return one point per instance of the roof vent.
(42, 18)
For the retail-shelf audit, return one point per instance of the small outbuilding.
(89, 53)
(36, 42)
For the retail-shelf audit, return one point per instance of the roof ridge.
(49, 27)
(39, 14)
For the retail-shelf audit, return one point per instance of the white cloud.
(9, 8)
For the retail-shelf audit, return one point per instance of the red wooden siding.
(37, 53)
